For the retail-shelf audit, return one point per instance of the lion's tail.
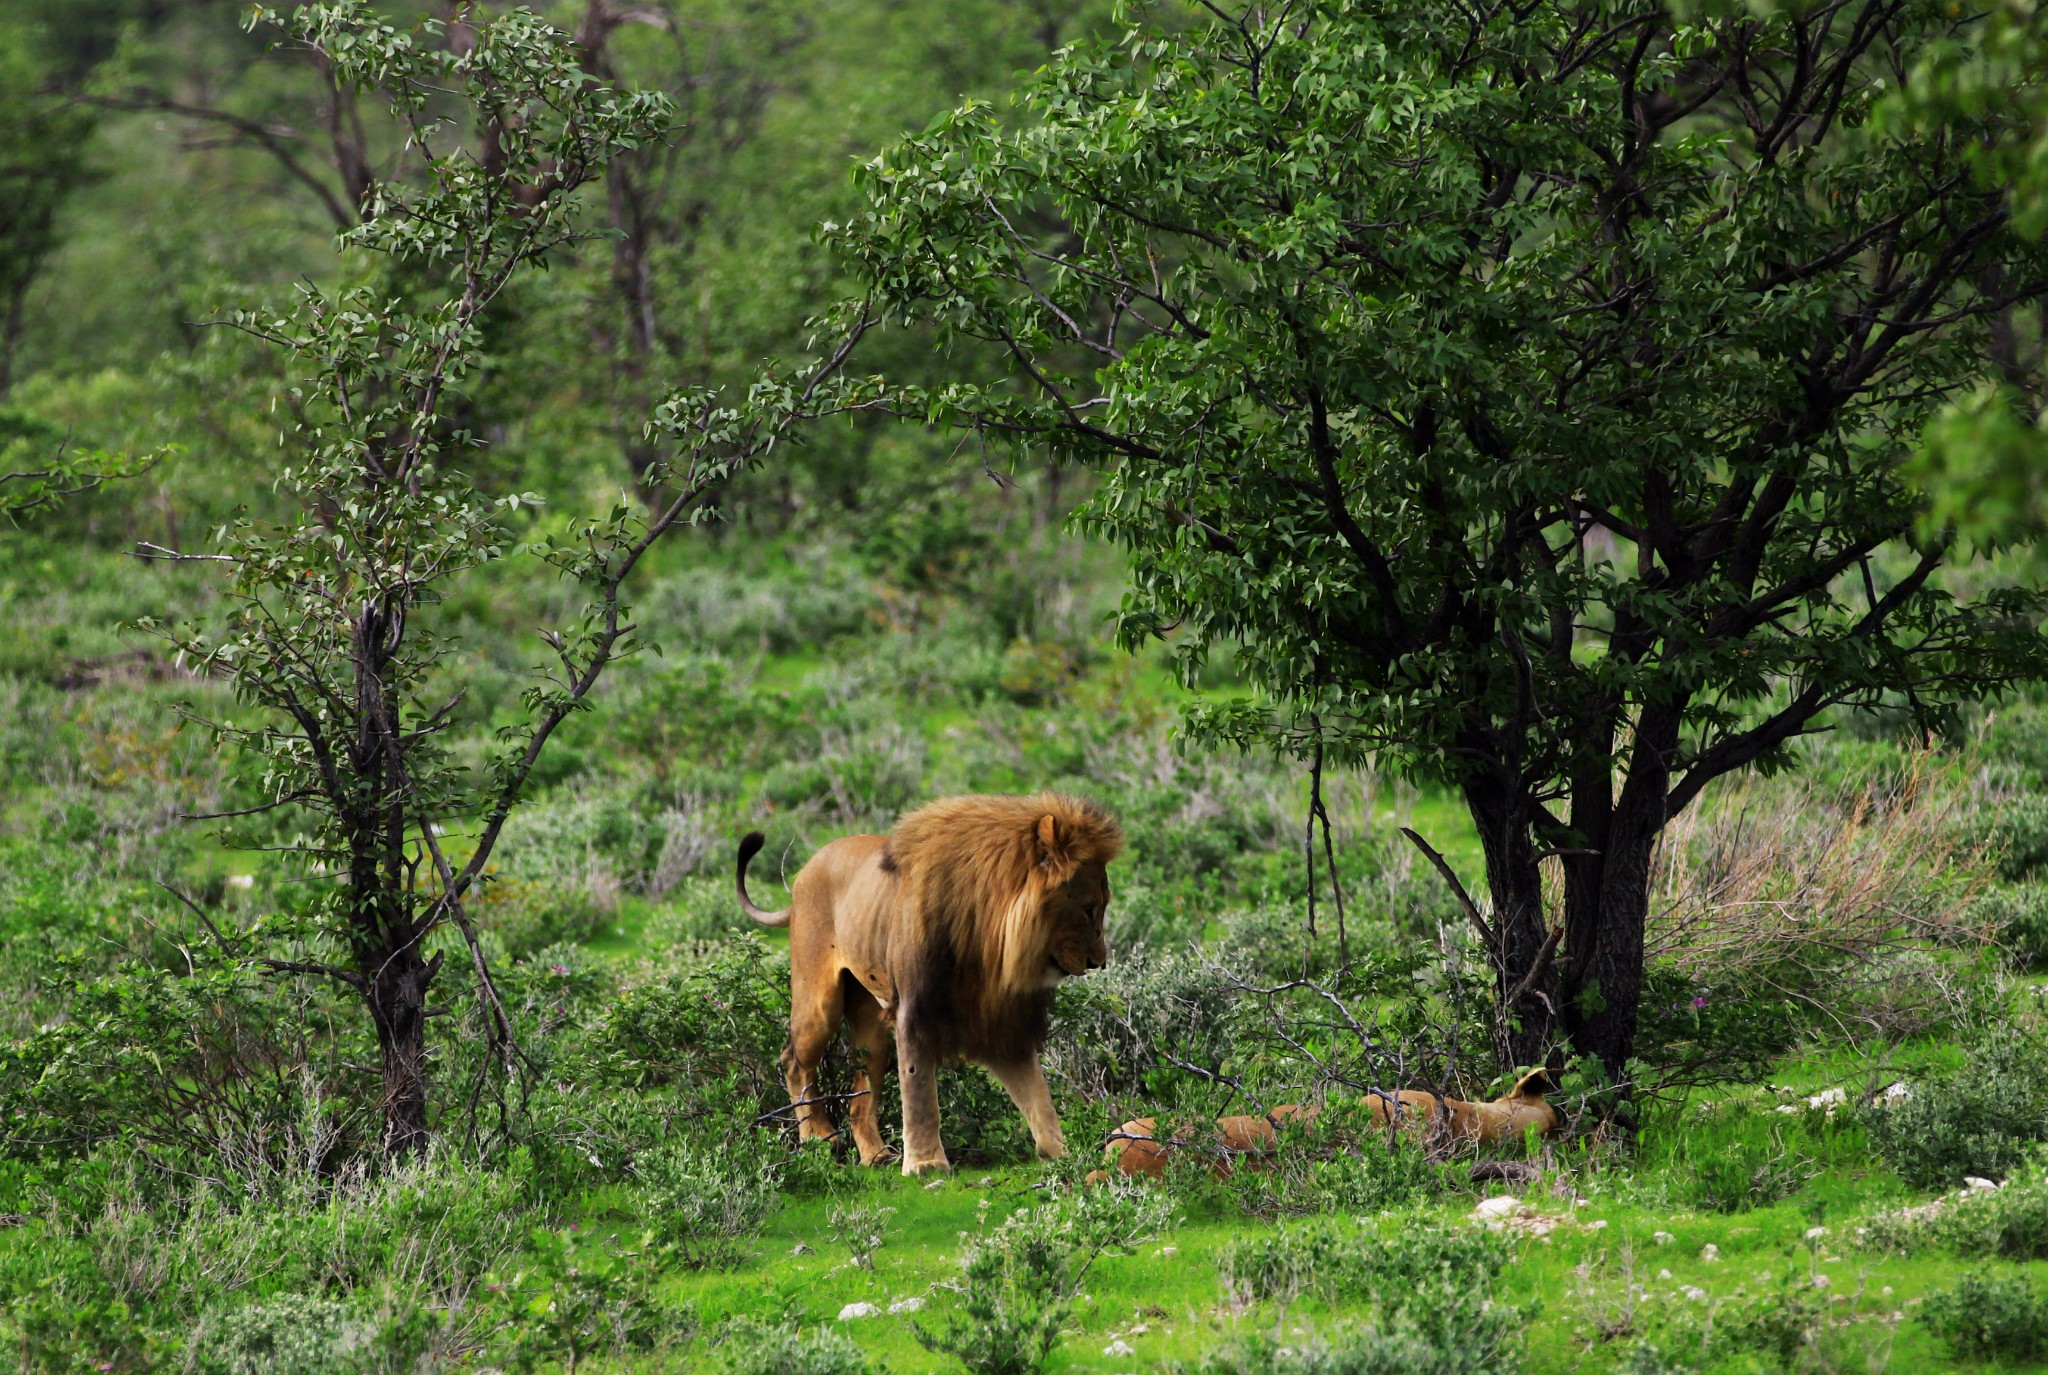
(749, 847)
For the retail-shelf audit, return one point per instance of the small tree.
(330, 640)
(1521, 390)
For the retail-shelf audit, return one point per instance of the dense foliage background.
(1840, 1022)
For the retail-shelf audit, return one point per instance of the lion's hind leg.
(815, 1012)
(874, 1047)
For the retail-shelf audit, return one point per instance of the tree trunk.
(1607, 899)
(1528, 1005)
(398, 1006)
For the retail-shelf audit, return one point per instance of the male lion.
(954, 929)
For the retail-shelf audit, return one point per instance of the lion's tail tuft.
(750, 846)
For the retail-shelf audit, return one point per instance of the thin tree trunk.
(1527, 1004)
(1607, 893)
(1606, 906)
(398, 1007)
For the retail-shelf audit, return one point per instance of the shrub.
(748, 1347)
(859, 1226)
(1397, 1347)
(1977, 1120)
(1019, 1279)
(290, 1334)
(1740, 1171)
(1114, 1027)
(1989, 1315)
(1785, 906)
(2011, 1222)
(1432, 1289)
(214, 1061)
(1777, 1327)
(1417, 1270)
(528, 915)
(724, 1019)
(2020, 835)
(576, 1295)
(595, 843)
(2018, 915)
(707, 1196)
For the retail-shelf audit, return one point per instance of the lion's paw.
(938, 1164)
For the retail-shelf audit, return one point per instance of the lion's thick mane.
(975, 874)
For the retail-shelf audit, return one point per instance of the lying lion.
(1441, 1124)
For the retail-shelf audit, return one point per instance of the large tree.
(1520, 389)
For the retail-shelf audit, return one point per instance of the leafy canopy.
(1513, 388)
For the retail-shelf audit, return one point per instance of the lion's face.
(1073, 924)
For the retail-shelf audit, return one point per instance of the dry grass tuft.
(1830, 898)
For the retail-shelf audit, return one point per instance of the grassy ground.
(112, 1244)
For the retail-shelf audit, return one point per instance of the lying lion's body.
(953, 930)
(1138, 1148)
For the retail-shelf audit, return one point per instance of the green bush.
(1990, 1315)
(2019, 834)
(1741, 1170)
(529, 915)
(1979, 1119)
(724, 1019)
(1114, 1028)
(1431, 1289)
(1692, 1033)
(1397, 1270)
(706, 1196)
(2018, 914)
(576, 1295)
(1392, 1348)
(749, 1347)
(2011, 1222)
(1019, 1279)
(1781, 1325)
(289, 1334)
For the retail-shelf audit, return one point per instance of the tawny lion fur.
(1138, 1148)
(943, 940)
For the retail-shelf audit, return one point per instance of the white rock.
(1789, 1107)
(1710, 1253)
(857, 1310)
(1693, 1292)
(801, 1250)
(1597, 1224)
(1169, 1250)
(1977, 1183)
(1822, 1282)
(1897, 1093)
(1827, 1098)
(241, 880)
(1119, 1347)
(909, 1305)
(1663, 1274)
(1816, 1233)
(1662, 1238)
(1502, 1206)
(1887, 1289)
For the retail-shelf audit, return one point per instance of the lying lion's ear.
(1049, 840)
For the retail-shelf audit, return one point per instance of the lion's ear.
(1050, 841)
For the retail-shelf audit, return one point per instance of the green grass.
(1579, 1274)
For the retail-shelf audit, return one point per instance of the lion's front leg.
(918, 1072)
(1026, 1084)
